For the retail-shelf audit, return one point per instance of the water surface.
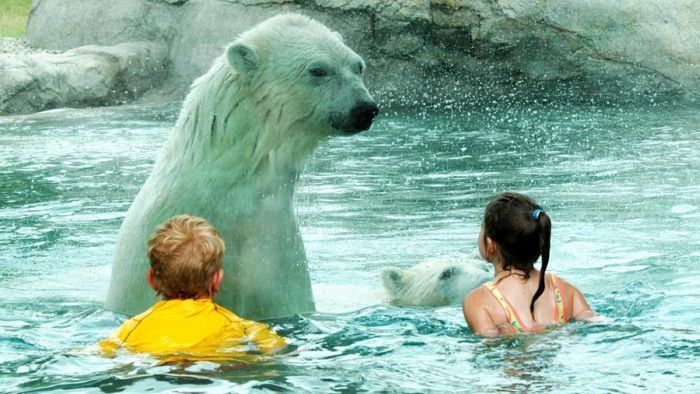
(621, 185)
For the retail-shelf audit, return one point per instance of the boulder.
(84, 76)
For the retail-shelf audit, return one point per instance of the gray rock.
(442, 53)
(85, 76)
(17, 46)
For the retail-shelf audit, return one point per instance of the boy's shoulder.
(147, 312)
(131, 324)
(229, 315)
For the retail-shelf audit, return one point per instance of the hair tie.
(536, 214)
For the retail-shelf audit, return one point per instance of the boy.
(186, 256)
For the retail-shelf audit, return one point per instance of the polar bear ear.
(392, 278)
(242, 57)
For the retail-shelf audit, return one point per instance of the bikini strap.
(560, 311)
(510, 313)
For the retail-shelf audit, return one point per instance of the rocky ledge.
(33, 80)
(429, 53)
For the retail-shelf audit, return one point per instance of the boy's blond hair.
(185, 253)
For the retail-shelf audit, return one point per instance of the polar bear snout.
(362, 115)
(358, 118)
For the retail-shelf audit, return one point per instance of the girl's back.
(502, 307)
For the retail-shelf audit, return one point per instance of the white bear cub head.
(307, 71)
(434, 283)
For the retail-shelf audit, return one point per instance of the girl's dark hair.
(522, 231)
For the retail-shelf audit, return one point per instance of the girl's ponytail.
(544, 226)
(522, 231)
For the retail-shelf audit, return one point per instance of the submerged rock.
(81, 77)
(430, 53)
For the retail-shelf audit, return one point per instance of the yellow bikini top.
(512, 315)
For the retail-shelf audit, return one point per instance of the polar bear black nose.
(362, 115)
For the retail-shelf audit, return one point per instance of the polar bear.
(244, 134)
(438, 282)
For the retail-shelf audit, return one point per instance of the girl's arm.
(477, 316)
(580, 310)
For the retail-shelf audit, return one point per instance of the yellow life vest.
(193, 330)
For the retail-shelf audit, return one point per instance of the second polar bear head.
(300, 60)
(434, 283)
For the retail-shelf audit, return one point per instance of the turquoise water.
(622, 187)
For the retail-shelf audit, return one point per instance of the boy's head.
(186, 256)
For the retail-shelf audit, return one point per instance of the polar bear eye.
(318, 71)
(359, 68)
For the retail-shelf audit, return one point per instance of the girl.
(514, 234)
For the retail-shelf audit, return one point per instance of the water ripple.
(622, 188)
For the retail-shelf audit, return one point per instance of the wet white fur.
(438, 282)
(244, 134)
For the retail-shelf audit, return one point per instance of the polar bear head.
(434, 283)
(295, 65)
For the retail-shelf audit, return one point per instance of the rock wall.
(429, 53)
(84, 76)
